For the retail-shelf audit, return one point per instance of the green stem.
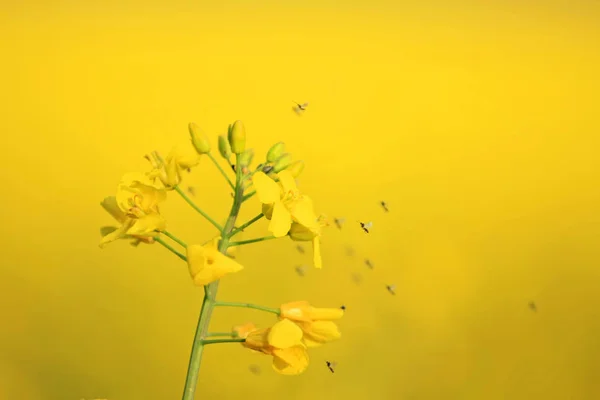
(213, 334)
(243, 242)
(174, 238)
(247, 224)
(228, 340)
(210, 293)
(221, 170)
(249, 195)
(171, 249)
(246, 305)
(195, 207)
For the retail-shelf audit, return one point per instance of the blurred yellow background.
(478, 124)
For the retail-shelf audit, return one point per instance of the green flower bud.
(275, 152)
(296, 168)
(224, 148)
(199, 139)
(282, 162)
(237, 137)
(246, 158)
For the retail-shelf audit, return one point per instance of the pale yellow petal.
(281, 221)
(325, 314)
(311, 343)
(147, 224)
(320, 331)
(301, 233)
(284, 334)
(303, 212)
(207, 265)
(116, 234)
(317, 261)
(111, 206)
(266, 189)
(292, 361)
(287, 181)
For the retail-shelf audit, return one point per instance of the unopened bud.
(237, 137)
(275, 152)
(296, 168)
(282, 162)
(246, 158)
(224, 148)
(199, 139)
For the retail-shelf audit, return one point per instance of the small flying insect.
(267, 168)
(391, 289)
(384, 205)
(368, 263)
(339, 222)
(300, 249)
(357, 278)
(331, 366)
(255, 369)
(349, 251)
(366, 226)
(343, 307)
(301, 270)
(192, 190)
(300, 107)
(532, 306)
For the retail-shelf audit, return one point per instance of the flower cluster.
(136, 208)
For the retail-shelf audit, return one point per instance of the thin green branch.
(247, 305)
(171, 249)
(221, 170)
(195, 207)
(249, 195)
(247, 224)
(243, 242)
(214, 334)
(229, 340)
(174, 238)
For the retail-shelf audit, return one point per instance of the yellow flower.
(206, 264)
(169, 171)
(315, 323)
(283, 203)
(136, 207)
(312, 233)
(283, 341)
(242, 331)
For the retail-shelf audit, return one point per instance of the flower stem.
(210, 293)
(249, 195)
(213, 334)
(228, 340)
(195, 207)
(243, 242)
(247, 224)
(171, 249)
(246, 305)
(174, 238)
(221, 170)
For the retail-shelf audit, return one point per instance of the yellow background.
(478, 124)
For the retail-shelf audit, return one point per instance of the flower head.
(316, 323)
(283, 341)
(136, 207)
(169, 171)
(206, 264)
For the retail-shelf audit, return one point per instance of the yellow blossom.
(283, 341)
(136, 207)
(315, 323)
(317, 333)
(283, 203)
(312, 233)
(242, 331)
(169, 171)
(206, 264)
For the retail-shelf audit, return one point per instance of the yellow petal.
(281, 221)
(291, 361)
(325, 314)
(244, 330)
(303, 212)
(207, 265)
(317, 261)
(257, 340)
(267, 210)
(266, 189)
(284, 334)
(147, 224)
(320, 331)
(308, 342)
(111, 206)
(296, 310)
(287, 181)
(301, 233)
(116, 234)
(185, 157)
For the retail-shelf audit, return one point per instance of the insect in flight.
(300, 249)
(384, 205)
(331, 366)
(339, 222)
(300, 108)
(368, 263)
(366, 226)
(391, 289)
(532, 306)
(192, 190)
(349, 251)
(301, 270)
(343, 307)
(357, 278)
(255, 369)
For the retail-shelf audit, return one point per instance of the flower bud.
(246, 158)
(199, 139)
(237, 137)
(224, 148)
(296, 168)
(275, 152)
(282, 162)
